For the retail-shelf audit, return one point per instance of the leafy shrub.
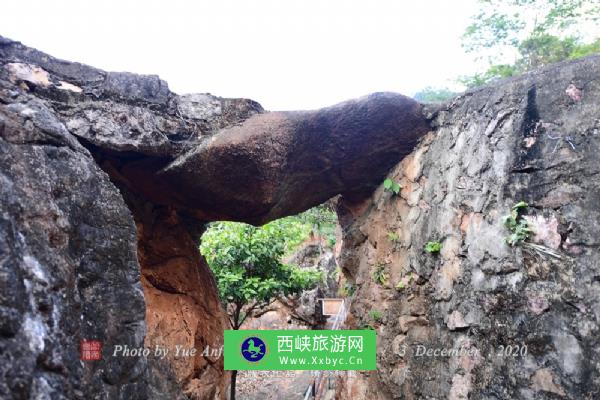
(320, 220)
(348, 289)
(434, 95)
(246, 262)
(402, 283)
(520, 232)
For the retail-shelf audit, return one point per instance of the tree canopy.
(434, 95)
(510, 37)
(248, 267)
(514, 36)
(247, 262)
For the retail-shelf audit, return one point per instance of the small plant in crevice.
(337, 272)
(520, 232)
(391, 186)
(347, 290)
(401, 285)
(517, 225)
(376, 316)
(380, 275)
(433, 247)
(331, 242)
(393, 237)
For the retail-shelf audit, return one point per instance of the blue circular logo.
(253, 349)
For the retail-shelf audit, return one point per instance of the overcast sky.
(286, 54)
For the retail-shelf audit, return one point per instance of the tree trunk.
(236, 326)
(232, 389)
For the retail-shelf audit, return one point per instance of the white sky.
(286, 54)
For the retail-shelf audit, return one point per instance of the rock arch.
(178, 162)
(107, 179)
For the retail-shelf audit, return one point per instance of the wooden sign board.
(331, 306)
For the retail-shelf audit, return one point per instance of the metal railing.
(315, 390)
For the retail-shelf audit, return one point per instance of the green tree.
(322, 221)
(513, 36)
(246, 262)
(434, 95)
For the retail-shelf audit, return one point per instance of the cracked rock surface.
(523, 321)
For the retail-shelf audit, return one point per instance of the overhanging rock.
(221, 158)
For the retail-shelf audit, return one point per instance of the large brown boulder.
(221, 158)
(280, 163)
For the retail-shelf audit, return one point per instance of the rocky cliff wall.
(68, 264)
(523, 321)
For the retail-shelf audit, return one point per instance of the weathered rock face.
(260, 166)
(68, 265)
(182, 306)
(107, 181)
(93, 273)
(527, 322)
(261, 169)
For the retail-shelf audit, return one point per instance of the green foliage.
(380, 274)
(246, 261)
(433, 247)
(402, 283)
(348, 289)
(506, 23)
(493, 72)
(337, 272)
(376, 316)
(434, 95)
(529, 33)
(520, 205)
(518, 227)
(320, 220)
(393, 237)
(543, 49)
(391, 186)
(583, 50)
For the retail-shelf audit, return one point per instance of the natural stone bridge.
(107, 180)
(178, 161)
